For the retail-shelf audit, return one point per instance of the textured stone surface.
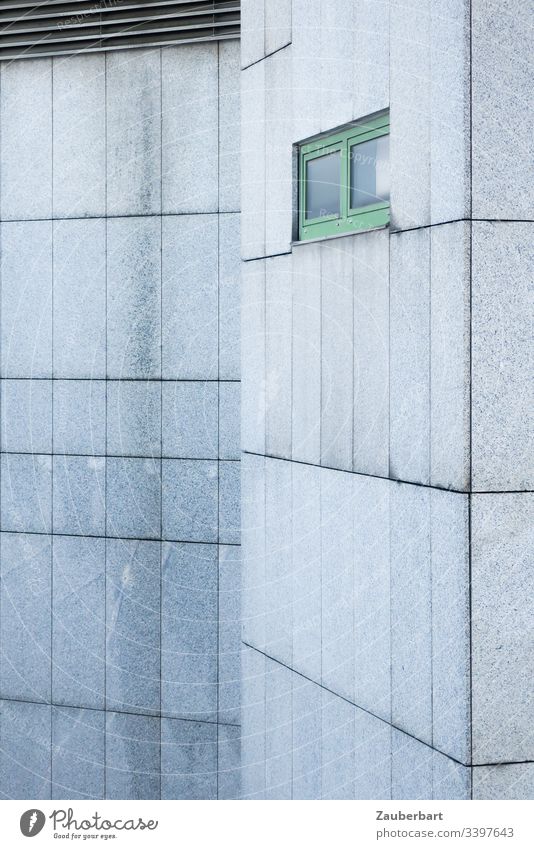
(306, 569)
(190, 111)
(450, 110)
(189, 631)
(189, 500)
(25, 750)
(450, 780)
(229, 421)
(338, 747)
(450, 356)
(79, 417)
(229, 646)
(451, 643)
(254, 549)
(78, 621)
(372, 756)
(79, 309)
(229, 502)
(26, 114)
(77, 753)
(502, 397)
(133, 621)
(409, 74)
(82, 301)
(277, 24)
(411, 767)
(371, 57)
(253, 153)
(79, 503)
(278, 731)
(229, 297)
(189, 297)
(503, 134)
(133, 503)
(229, 125)
(132, 756)
(252, 32)
(26, 321)
(278, 153)
(278, 565)
(372, 594)
(371, 353)
(27, 416)
(25, 616)
(504, 781)
(253, 724)
(133, 418)
(228, 762)
(190, 419)
(79, 149)
(134, 298)
(336, 33)
(404, 384)
(307, 732)
(503, 627)
(306, 354)
(337, 354)
(337, 582)
(253, 352)
(410, 356)
(278, 383)
(411, 616)
(26, 492)
(133, 116)
(306, 72)
(188, 760)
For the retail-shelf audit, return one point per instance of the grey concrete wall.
(120, 372)
(387, 477)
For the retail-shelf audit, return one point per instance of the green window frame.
(349, 220)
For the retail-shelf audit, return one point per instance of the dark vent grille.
(53, 28)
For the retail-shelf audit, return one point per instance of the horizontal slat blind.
(54, 28)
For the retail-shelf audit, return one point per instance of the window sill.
(349, 234)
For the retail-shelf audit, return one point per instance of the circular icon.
(32, 822)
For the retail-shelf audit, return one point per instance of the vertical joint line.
(52, 428)
(161, 418)
(218, 407)
(106, 408)
(469, 498)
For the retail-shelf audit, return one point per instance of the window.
(344, 180)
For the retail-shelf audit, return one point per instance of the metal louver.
(56, 27)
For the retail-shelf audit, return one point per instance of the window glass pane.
(369, 172)
(322, 185)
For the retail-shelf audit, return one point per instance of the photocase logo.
(32, 822)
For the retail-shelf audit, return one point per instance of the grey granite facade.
(386, 421)
(374, 466)
(119, 617)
